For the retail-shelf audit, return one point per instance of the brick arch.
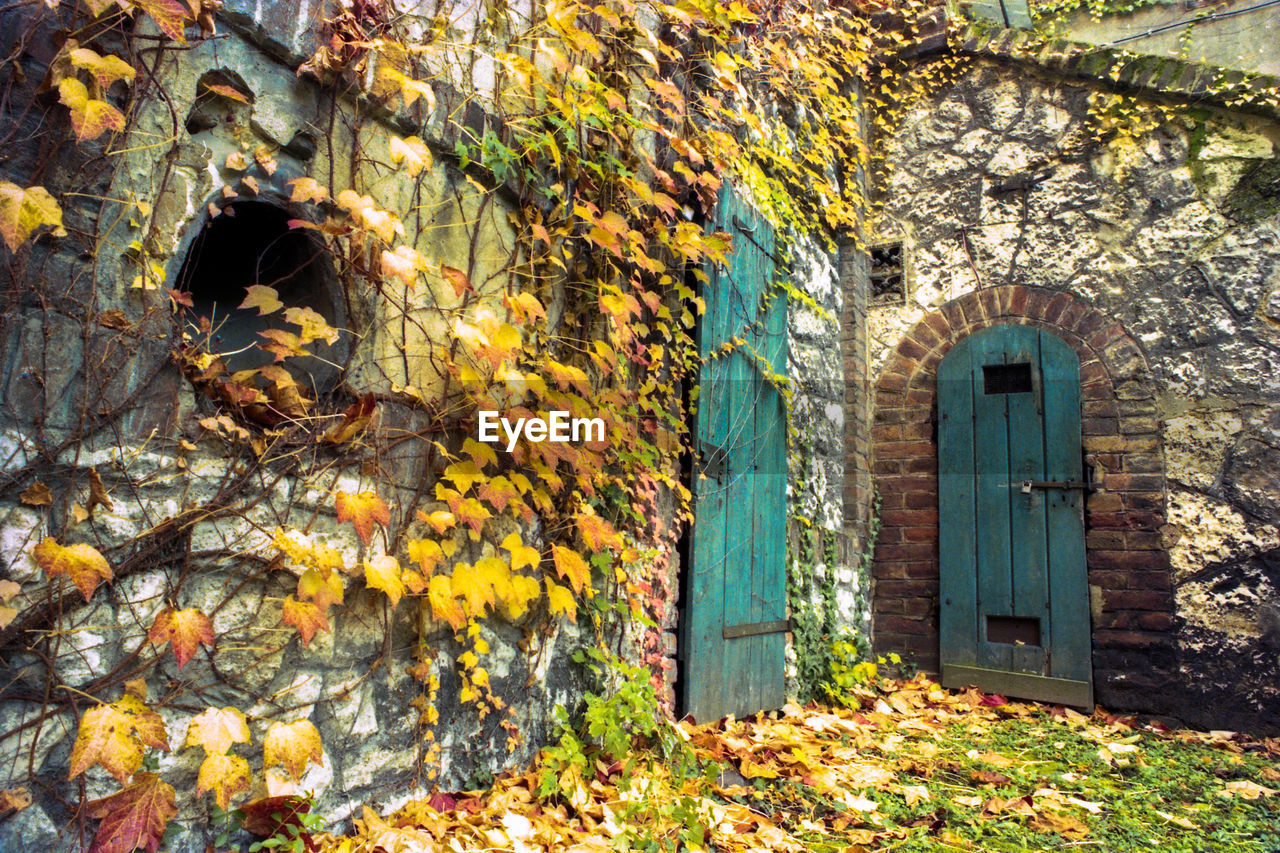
(1128, 566)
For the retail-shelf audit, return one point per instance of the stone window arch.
(253, 242)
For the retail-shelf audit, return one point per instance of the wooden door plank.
(771, 479)
(741, 674)
(1029, 574)
(991, 443)
(1069, 639)
(704, 655)
(958, 614)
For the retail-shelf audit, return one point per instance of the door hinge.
(753, 629)
(714, 460)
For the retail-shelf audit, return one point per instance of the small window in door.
(1013, 630)
(1006, 378)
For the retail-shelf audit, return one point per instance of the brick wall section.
(1129, 576)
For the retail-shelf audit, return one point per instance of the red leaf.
(267, 816)
(134, 818)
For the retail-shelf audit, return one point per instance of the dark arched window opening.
(248, 243)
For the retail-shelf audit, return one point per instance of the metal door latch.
(1028, 485)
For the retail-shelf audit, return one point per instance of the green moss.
(1256, 195)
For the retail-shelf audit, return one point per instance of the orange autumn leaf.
(596, 532)
(83, 564)
(37, 494)
(363, 510)
(225, 775)
(307, 189)
(457, 279)
(135, 818)
(170, 16)
(228, 92)
(305, 616)
(216, 729)
(185, 629)
(571, 567)
(105, 737)
(441, 520)
(355, 420)
(292, 745)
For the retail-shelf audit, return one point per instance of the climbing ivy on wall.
(617, 124)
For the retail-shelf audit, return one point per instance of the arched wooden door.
(1014, 592)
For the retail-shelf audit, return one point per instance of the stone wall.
(1152, 250)
(91, 389)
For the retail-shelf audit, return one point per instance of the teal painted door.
(1014, 614)
(734, 618)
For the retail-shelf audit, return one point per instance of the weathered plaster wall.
(999, 180)
(1233, 34)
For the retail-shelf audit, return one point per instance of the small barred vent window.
(888, 275)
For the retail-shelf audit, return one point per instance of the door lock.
(1028, 485)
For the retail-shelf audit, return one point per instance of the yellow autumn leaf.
(521, 554)
(225, 775)
(105, 69)
(427, 553)
(412, 152)
(463, 475)
(82, 563)
(470, 584)
(216, 729)
(441, 520)
(323, 588)
(444, 606)
(560, 600)
(90, 118)
(264, 298)
(292, 745)
(314, 326)
(516, 595)
(22, 211)
(383, 572)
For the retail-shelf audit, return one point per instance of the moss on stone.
(1256, 195)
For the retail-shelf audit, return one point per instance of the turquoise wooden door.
(735, 615)
(1014, 595)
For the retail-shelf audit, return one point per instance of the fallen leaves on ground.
(908, 766)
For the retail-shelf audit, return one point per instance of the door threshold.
(1039, 688)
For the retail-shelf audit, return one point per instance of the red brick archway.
(1131, 596)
